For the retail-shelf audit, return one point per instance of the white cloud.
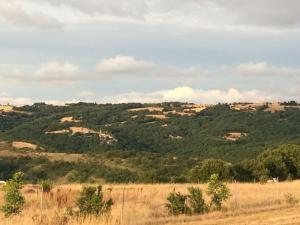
(264, 69)
(124, 8)
(181, 94)
(262, 12)
(57, 72)
(86, 93)
(13, 13)
(123, 65)
(60, 102)
(198, 13)
(188, 94)
(128, 65)
(15, 101)
(3, 94)
(68, 73)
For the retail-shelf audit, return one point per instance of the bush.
(291, 199)
(177, 204)
(196, 201)
(91, 202)
(203, 171)
(47, 185)
(263, 179)
(193, 203)
(218, 192)
(14, 200)
(290, 177)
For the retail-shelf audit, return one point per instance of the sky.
(201, 51)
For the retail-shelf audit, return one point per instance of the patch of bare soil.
(155, 116)
(234, 136)
(179, 113)
(22, 145)
(105, 136)
(150, 109)
(69, 119)
(195, 107)
(176, 137)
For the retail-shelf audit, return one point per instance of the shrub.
(263, 179)
(218, 192)
(291, 199)
(14, 200)
(177, 203)
(47, 185)
(91, 202)
(196, 201)
(202, 172)
(290, 177)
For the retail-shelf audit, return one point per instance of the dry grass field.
(253, 204)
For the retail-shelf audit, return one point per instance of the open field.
(253, 204)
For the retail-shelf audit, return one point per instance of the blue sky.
(204, 51)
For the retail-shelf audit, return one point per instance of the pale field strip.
(234, 136)
(104, 135)
(272, 107)
(150, 109)
(69, 119)
(156, 116)
(21, 145)
(10, 108)
(251, 204)
(188, 110)
(6, 108)
(195, 107)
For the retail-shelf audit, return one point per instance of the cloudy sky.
(204, 51)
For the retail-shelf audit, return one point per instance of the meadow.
(135, 204)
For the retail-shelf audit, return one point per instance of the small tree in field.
(177, 203)
(196, 201)
(14, 200)
(47, 185)
(91, 202)
(218, 192)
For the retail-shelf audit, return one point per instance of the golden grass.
(150, 109)
(6, 108)
(157, 116)
(20, 145)
(145, 204)
(234, 136)
(69, 119)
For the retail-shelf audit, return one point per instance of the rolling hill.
(174, 136)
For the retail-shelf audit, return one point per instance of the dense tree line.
(282, 162)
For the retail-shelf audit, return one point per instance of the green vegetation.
(180, 149)
(14, 200)
(176, 203)
(47, 185)
(203, 171)
(218, 192)
(194, 203)
(41, 168)
(91, 202)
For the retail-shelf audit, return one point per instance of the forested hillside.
(167, 138)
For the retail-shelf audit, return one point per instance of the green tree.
(47, 185)
(196, 200)
(203, 171)
(218, 192)
(14, 200)
(91, 202)
(177, 204)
